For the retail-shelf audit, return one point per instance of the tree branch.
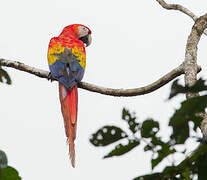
(102, 90)
(179, 8)
(190, 65)
(136, 91)
(190, 62)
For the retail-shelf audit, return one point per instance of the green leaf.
(166, 149)
(198, 87)
(148, 147)
(155, 142)
(177, 88)
(181, 117)
(125, 114)
(201, 164)
(4, 76)
(154, 176)
(170, 170)
(149, 128)
(161, 156)
(3, 160)
(180, 128)
(107, 135)
(186, 174)
(122, 149)
(197, 121)
(9, 173)
(133, 125)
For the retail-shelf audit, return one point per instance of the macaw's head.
(79, 31)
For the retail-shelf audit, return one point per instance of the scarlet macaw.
(67, 61)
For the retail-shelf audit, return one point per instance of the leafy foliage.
(149, 128)
(201, 166)
(133, 125)
(122, 149)
(147, 132)
(177, 88)
(4, 76)
(7, 172)
(181, 118)
(111, 134)
(107, 135)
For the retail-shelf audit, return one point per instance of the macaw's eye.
(85, 29)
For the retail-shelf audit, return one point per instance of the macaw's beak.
(86, 39)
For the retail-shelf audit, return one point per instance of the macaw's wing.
(65, 65)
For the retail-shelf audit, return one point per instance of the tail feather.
(69, 107)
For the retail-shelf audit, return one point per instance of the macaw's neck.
(68, 34)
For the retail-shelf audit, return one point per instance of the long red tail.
(69, 107)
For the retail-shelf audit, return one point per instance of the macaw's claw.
(49, 77)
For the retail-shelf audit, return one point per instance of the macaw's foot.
(49, 77)
(77, 81)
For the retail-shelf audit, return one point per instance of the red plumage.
(67, 61)
(69, 107)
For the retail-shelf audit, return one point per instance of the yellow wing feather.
(57, 48)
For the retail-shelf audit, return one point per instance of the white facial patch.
(82, 31)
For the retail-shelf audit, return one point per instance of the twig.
(102, 90)
(179, 8)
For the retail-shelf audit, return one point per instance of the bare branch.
(190, 62)
(23, 67)
(179, 8)
(102, 90)
(136, 91)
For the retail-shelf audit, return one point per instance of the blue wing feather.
(67, 69)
